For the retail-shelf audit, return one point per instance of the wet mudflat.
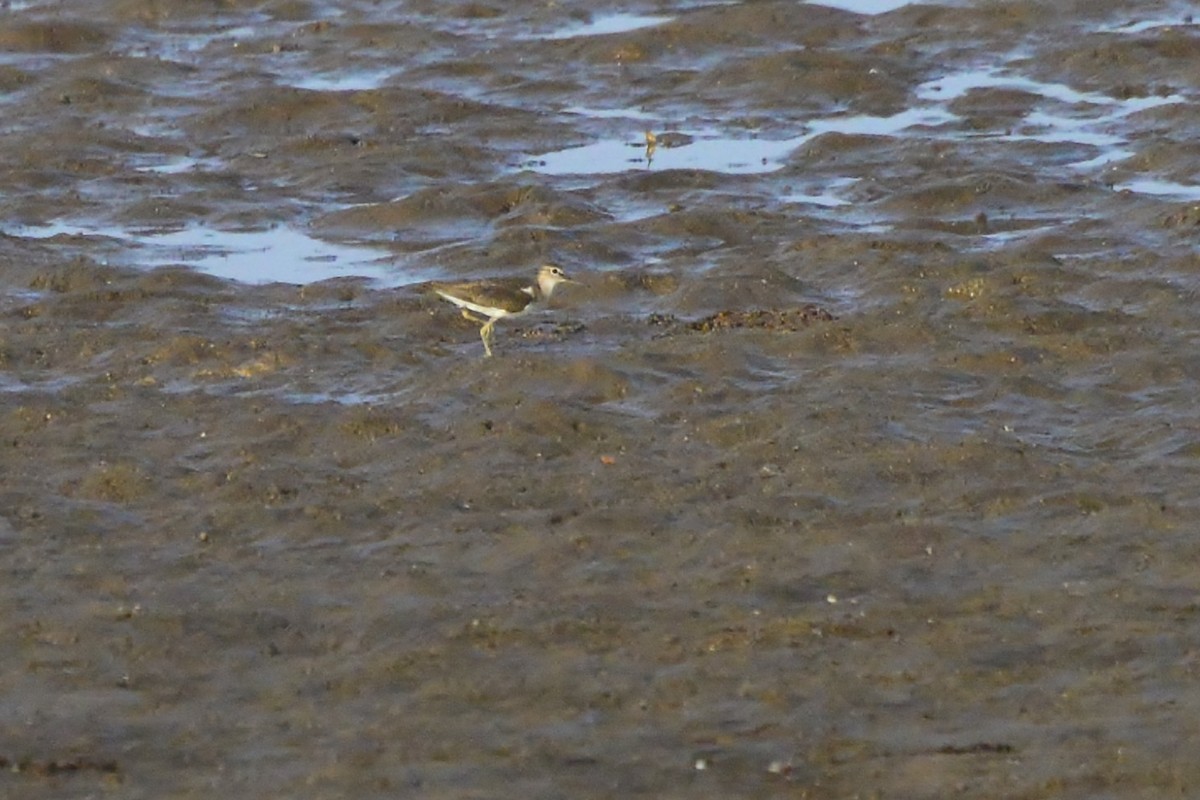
(863, 465)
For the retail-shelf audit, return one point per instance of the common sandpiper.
(505, 297)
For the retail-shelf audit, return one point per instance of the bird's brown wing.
(494, 293)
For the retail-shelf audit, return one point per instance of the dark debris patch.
(976, 748)
(554, 331)
(786, 319)
(52, 767)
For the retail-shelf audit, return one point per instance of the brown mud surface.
(893, 494)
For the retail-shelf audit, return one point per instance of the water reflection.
(1160, 188)
(1069, 116)
(280, 254)
(710, 149)
(867, 7)
(607, 24)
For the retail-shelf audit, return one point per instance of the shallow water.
(861, 464)
(278, 254)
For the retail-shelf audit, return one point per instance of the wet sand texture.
(864, 465)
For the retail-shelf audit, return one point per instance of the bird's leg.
(466, 312)
(485, 333)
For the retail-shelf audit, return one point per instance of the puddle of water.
(709, 150)
(179, 45)
(607, 24)
(344, 398)
(1160, 188)
(1086, 121)
(357, 81)
(821, 197)
(600, 25)
(1057, 129)
(610, 113)
(865, 125)
(953, 86)
(866, 7)
(637, 212)
(736, 156)
(13, 385)
(1185, 20)
(182, 164)
(1001, 238)
(280, 254)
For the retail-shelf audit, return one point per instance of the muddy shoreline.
(863, 465)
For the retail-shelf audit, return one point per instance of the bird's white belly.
(487, 311)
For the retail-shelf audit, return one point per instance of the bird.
(504, 297)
